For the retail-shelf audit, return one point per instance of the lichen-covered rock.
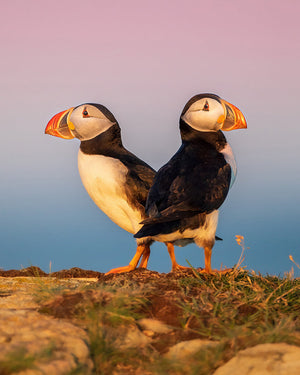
(53, 343)
(186, 348)
(154, 325)
(264, 359)
(130, 337)
(42, 344)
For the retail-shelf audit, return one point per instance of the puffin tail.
(147, 230)
(155, 228)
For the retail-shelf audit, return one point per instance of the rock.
(148, 333)
(16, 300)
(131, 337)
(264, 359)
(187, 348)
(154, 325)
(57, 346)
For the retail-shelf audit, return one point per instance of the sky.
(144, 60)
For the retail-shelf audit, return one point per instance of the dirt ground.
(63, 274)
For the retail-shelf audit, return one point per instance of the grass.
(108, 318)
(20, 360)
(231, 305)
(16, 361)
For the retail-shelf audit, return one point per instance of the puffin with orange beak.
(187, 192)
(116, 180)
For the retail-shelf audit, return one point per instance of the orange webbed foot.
(120, 269)
(177, 267)
(142, 251)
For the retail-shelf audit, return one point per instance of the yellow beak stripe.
(221, 119)
(69, 122)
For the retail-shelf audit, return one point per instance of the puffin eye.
(85, 113)
(206, 106)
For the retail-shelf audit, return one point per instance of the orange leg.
(145, 257)
(175, 265)
(207, 259)
(207, 262)
(135, 260)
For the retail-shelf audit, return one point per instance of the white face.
(206, 114)
(87, 121)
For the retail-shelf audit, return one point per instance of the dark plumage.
(196, 180)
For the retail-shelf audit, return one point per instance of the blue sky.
(144, 61)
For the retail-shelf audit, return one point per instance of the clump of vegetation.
(20, 360)
(16, 361)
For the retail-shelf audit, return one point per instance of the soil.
(74, 272)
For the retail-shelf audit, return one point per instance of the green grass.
(16, 361)
(105, 320)
(232, 307)
(20, 360)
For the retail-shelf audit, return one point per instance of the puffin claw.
(120, 270)
(177, 267)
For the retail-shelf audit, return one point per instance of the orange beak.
(234, 117)
(58, 125)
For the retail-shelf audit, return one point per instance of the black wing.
(139, 180)
(191, 182)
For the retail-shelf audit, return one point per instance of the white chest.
(104, 179)
(229, 157)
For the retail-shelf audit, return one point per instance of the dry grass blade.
(292, 260)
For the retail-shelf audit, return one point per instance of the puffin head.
(84, 122)
(210, 113)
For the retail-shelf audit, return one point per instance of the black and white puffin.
(116, 180)
(187, 192)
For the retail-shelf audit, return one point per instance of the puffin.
(183, 203)
(117, 181)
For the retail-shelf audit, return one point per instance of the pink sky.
(38, 36)
(144, 60)
(151, 54)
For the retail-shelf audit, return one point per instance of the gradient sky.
(144, 60)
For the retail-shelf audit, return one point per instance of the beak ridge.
(234, 118)
(58, 125)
